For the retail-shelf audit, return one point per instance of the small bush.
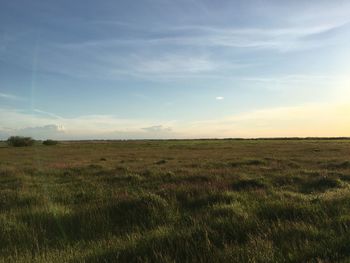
(50, 142)
(18, 141)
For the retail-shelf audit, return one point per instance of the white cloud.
(41, 124)
(42, 132)
(219, 98)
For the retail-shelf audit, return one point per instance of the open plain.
(176, 201)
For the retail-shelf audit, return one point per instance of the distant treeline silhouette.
(20, 141)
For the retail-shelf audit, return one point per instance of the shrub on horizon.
(50, 142)
(19, 141)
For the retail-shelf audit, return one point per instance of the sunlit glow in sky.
(88, 69)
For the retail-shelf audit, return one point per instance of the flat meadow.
(176, 201)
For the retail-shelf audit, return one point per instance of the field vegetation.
(176, 201)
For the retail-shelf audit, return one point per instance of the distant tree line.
(20, 141)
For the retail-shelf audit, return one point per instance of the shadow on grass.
(57, 226)
(320, 184)
(249, 184)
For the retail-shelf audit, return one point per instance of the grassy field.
(176, 201)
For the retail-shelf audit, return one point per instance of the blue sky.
(174, 69)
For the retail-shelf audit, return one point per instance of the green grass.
(176, 201)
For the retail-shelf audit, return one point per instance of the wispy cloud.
(9, 96)
(173, 51)
(182, 51)
(285, 38)
(175, 64)
(50, 114)
(278, 38)
(157, 128)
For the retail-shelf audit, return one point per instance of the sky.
(158, 69)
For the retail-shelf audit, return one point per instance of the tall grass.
(176, 201)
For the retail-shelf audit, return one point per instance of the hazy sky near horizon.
(88, 69)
